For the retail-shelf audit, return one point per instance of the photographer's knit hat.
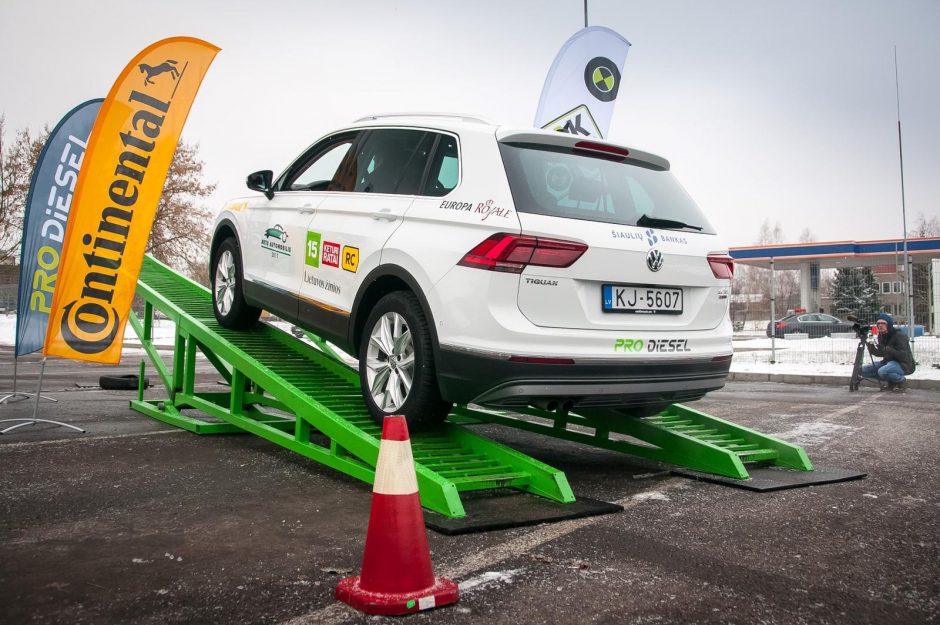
(887, 318)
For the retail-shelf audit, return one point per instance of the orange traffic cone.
(396, 565)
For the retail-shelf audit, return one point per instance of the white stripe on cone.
(395, 470)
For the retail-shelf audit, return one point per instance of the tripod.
(862, 334)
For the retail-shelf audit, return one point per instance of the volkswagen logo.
(654, 260)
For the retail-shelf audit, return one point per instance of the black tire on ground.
(239, 316)
(423, 406)
(127, 382)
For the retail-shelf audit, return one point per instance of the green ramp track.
(283, 389)
(309, 390)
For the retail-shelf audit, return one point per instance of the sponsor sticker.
(275, 241)
(628, 345)
(652, 345)
(350, 258)
(330, 256)
(312, 249)
(320, 283)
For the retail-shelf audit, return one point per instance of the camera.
(860, 331)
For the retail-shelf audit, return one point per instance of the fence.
(810, 322)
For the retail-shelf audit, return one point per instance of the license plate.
(640, 299)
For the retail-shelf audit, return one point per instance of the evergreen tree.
(855, 292)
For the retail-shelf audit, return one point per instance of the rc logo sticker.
(350, 258)
(602, 78)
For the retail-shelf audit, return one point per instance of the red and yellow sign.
(116, 196)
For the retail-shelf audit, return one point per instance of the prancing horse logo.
(654, 260)
(153, 71)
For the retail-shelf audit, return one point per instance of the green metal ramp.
(285, 390)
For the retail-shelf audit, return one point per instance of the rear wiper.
(656, 222)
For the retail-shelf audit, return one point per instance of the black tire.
(121, 382)
(422, 406)
(239, 315)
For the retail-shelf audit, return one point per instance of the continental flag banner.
(116, 196)
(582, 84)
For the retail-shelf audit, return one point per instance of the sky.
(783, 111)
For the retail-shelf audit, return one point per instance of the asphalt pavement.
(135, 522)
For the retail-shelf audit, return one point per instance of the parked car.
(465, 262)
(813, 324)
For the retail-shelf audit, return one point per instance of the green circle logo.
(602, 78)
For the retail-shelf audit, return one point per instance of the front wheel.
(228, 288)
(396, 363)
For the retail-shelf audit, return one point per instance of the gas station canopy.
(837, 253)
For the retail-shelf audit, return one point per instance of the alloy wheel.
(390, 362)
(225, 280)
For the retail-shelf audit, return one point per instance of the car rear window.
(557, 181)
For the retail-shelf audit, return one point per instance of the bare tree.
(927, 227)
(180, 234)
(17, 161)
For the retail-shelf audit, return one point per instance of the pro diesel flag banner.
(46, 217)
(128, 155)
(581, 87)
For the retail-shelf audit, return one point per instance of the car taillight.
(612, 152)
(781, 325)
(511, 253)
(722, 266)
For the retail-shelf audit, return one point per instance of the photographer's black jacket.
(894, 346)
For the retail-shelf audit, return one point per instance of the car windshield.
(556, 181)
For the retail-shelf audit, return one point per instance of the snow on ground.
(823, 356)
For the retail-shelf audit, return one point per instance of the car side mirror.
(262, 181)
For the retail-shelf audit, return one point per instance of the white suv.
(465, 262)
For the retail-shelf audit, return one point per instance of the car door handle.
(384, 214)
(307, 209)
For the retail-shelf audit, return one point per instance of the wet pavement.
(135, 522)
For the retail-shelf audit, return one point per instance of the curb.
(827, 380)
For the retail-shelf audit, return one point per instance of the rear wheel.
(396, 363)
(228, 290)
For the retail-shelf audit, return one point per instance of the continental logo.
(350, 258)
(89, 324)
(129, 152)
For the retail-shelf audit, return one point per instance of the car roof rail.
(457, 116)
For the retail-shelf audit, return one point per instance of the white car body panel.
(552, 312)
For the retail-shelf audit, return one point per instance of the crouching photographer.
(895, 350)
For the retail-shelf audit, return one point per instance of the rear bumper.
(471, 377)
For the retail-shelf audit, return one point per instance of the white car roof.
(459, 122)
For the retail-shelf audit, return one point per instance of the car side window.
(828, 318)
(444, 170)
(390, 160)
(318, 167)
